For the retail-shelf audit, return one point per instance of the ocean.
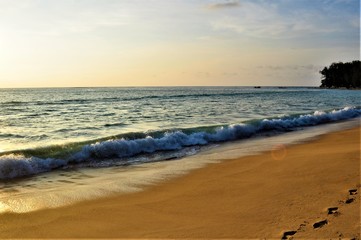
(50, 138)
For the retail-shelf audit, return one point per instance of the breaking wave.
(19, 165)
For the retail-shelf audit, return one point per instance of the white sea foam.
(12, 166)
(177, 140)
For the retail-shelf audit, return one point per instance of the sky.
(89, 43)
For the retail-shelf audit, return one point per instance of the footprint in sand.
(288, 234)
(320, 224)
(332, 210)
(349, 200)
(352, 191)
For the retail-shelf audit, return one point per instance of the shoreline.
(250, 197)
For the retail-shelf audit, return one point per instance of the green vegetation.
(342, 75)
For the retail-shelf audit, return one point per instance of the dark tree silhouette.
(342, 75)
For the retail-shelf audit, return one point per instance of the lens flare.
(279, 152)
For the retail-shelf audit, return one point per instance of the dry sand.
(251, 197)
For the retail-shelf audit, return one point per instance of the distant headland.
(342, 75)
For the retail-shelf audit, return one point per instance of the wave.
(12, 166)
(21, 164)
(10, 135)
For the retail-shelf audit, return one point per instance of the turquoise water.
(46, 129)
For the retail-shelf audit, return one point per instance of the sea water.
(51, 139)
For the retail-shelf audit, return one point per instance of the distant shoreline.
(340, 88)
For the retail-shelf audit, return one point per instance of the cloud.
(309, 67)
(338, 1)
(57, 18)
(270, 20)
(221, 5)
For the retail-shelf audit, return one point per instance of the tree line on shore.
(342, 75)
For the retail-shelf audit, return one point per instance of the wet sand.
(302, 191)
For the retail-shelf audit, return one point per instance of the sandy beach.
(305, 191)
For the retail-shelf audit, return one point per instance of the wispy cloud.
(59, 19)
(309, 67)
(339, 1)
(221, 5)
(268, 20)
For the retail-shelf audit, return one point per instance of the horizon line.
(162, 86)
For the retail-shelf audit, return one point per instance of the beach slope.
(301, 191)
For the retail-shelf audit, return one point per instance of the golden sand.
(286, 192)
